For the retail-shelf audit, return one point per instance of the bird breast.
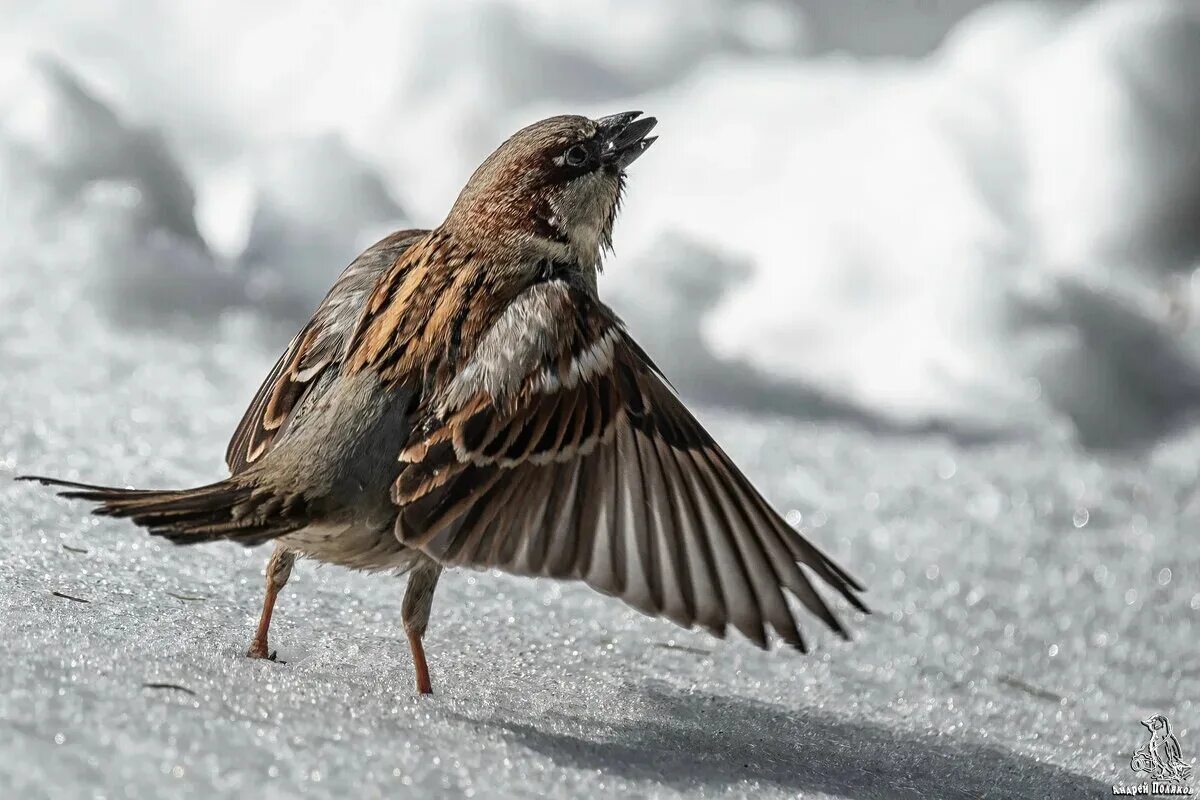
(527, 336)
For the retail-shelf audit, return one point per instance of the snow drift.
(986, 240)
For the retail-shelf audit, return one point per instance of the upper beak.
(623, 137)
(1146, 722)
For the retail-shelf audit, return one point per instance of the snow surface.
(932, 306)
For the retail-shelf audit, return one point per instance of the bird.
(1163, 750)
(486, 409)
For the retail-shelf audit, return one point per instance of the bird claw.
(260, 652)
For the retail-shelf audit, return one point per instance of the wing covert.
(319, 345)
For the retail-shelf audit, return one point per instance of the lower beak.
(623, 137)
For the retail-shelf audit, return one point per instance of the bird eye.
(576, 155)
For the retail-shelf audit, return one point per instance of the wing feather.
(711, 609)
(741, 605)
(748, 539)
(670, 597)
(563, 549)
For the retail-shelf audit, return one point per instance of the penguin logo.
(1160, 758)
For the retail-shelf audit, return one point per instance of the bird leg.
(279, 569)
(418, 602)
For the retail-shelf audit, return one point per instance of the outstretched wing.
(590, 468)
(319, 345)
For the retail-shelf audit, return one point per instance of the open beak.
(623, 137)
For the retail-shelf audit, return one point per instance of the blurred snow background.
(927, 265)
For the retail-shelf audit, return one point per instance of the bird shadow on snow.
(694, 740)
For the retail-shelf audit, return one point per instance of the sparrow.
(486, 409)
(1163, 749)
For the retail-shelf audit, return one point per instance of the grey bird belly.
(351, 545)
(342, 454)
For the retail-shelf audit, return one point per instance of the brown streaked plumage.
(316, 348)
(487, 409)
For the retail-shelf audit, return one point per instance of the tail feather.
(224, 510)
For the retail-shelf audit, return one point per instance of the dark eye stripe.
(565, 165)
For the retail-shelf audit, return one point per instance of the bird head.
(1156, 723)
(552, 190)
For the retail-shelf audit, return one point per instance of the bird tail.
(223, 510)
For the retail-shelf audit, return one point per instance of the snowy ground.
(1032, 605)
(936, 308)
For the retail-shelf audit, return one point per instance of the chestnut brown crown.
(554, 187)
